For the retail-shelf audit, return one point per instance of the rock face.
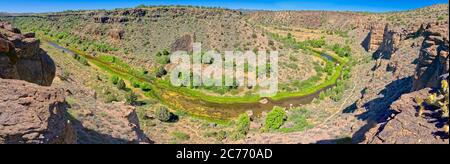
(433, 59)
(33, 114)
(21, 58)
(403, 127)
(374, 38)
(183, 44)
(388, 45)
(116, 34)
(29, 113)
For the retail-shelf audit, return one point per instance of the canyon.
(101, 76)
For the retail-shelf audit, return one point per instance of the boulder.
(33, 114)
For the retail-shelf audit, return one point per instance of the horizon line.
(225, 8)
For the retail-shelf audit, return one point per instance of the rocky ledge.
(33, 114)
(21, 58)
(405, 127)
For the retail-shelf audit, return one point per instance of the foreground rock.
(403, 127)
(21, 58)
(33, 114)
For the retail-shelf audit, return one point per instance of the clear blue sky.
(20, 6)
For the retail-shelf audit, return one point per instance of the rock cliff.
(21, 58)
(433, 61)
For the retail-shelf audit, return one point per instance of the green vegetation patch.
(275, 119)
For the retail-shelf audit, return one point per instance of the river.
(218, 111)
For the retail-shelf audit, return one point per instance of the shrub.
(121, 84)
(161, 72)
(298, 118)
(131, 98)
(83, 61)
(65, 75)
(163, 60)
(289, 36)
(329, 68)
(242, 127)
(181, 136)
(342, 51)
(254, 36)
(322, 95)
(221, 135)
(135, 84)
(110, 97)
(163, 114)
(145, 87)
(166, 53)
(293, 58)
(275, 118)
(114, 79)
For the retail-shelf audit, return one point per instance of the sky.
(36, 6)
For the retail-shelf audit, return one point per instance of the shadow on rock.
(377, 110)
(89, 136)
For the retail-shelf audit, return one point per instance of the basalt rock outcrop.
(29, 113)
(433, 61)
(21, 58)
(404, 127)
(183, 43)
(33, 114)
(374, 37)
(401, 125)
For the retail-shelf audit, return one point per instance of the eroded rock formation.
(404, 127)
(183, 43)
(29, 113)
(21, 58)
(374, 37)
(433, 60)
(33, 114)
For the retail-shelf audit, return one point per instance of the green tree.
(131, 98)
(242, 127)
(145, 87)
(121, 84)
(275, 118)
(114, 79)
(163, 114)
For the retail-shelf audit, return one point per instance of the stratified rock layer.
(433, 59)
